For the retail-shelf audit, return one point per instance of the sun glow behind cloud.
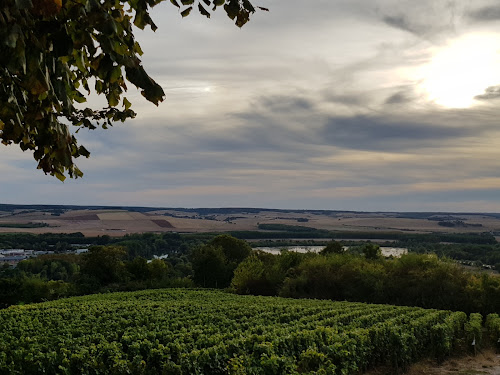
(462, 70)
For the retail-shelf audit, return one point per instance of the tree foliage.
(333, 247)
(371, 250)
(214, 263)
(104, 263)
(54, 53)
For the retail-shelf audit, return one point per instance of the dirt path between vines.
(486, 363)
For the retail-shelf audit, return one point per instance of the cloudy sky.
(390, 105)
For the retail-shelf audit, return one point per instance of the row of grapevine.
(211, 332)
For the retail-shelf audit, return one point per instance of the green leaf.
(83, 151)
(113, 99)
(232, 9)
(186, 12)
(126, 103)
(60, 176)
(51, 51)
(137, 49)
(139, 19)
(248, 6)
(115, 75)
(79, 97)
(203, 11)
(37, 83)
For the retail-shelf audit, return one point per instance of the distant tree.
(161, 246)
(371, 251)
(263, 273)
(138, 268)
(333, 247)
(158, 269)
(104, 263)
(51, 53)
(61, 246)
(103, 240)
(235, 250)
(209, 267)
(249, 276)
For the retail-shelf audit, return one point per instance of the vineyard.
(211, 332)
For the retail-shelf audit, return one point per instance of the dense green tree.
(333, 247)
(263, 273)
(371, 250)
(50, 267)
(52, 51)
(104, 263)
(209, 267)
(10, 291)
(158, 269)
(138, 268)
(235, 250)
(249, 276)
(215, 262)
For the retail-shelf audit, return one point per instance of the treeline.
(47, 241)
(412, 280)
(224, 261)
(102, 269)
(300, 231)
(122, 266)
(481, 253)
(143, 244)
(23, 225)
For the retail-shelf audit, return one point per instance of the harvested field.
(81, 217)
(163, 223)
(116, 222)
(115, 216)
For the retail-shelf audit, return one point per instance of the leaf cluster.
(54, 53)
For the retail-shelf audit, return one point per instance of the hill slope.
(211, 332)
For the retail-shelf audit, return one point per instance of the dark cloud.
(283, 102)
(403, 23)
(355, 100)
(492, 92)
(489, 13)
(429, 20)
(379, 133)
(398, 98)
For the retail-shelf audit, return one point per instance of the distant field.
(81, 217)
(23, 225)
(211, 332)
(116, 222)
(163, 223)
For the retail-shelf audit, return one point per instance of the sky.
(381, 105)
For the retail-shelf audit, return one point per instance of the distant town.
(12, 257)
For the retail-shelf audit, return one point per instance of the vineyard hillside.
(181, 331)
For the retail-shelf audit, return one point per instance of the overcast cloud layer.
(314, 105)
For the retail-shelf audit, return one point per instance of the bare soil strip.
(163, 223)
(485, 363)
